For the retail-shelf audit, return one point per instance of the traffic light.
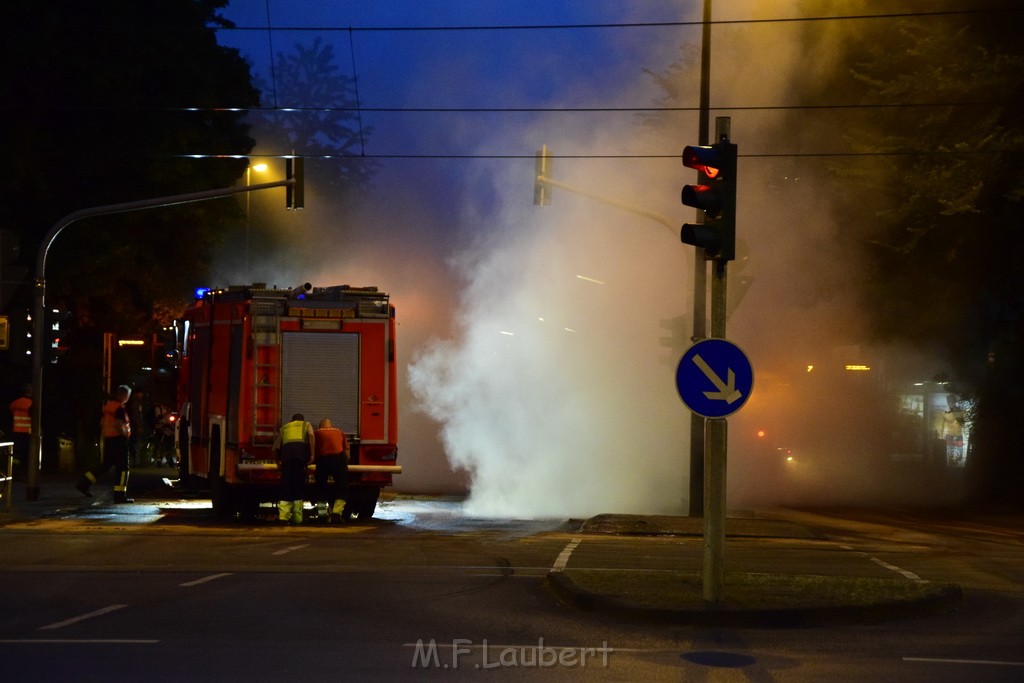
(19, 349)
(715, 195)
(57, 326)
(295, 193)
(541, 190)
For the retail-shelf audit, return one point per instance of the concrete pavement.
(631, 590)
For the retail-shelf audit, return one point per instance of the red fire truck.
(251, 357)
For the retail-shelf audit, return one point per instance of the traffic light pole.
(39, 306)
(715, 457)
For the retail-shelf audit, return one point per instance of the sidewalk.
(58, 495)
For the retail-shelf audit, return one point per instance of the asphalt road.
(161, 590)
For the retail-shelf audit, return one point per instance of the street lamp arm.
(156, 202)
(39, 306)
(657, 217)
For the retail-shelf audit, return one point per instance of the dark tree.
(103, 103)
(309, 108)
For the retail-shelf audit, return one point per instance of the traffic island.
(749, 599)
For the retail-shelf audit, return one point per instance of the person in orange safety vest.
(21, 414)
(331, 461)
(117, 430)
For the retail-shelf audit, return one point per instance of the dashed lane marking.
(563, 557)
(211, 577)
(289, 549)
(83, 617)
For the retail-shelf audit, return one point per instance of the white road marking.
(211, 577)
(939, 660)
(893, 568)
(73, 620)
(563, 557)
(81, 641)
(290, 549)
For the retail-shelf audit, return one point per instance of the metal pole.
(714, 509)
(39, 307)
(700, 274)
(715, 455)
(248, 224)
(610, 201)
(8, 447)
(716, 450)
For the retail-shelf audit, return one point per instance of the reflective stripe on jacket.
(21, 411)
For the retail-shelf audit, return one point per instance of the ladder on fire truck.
(266, 412)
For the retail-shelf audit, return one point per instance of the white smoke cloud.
(553, 393)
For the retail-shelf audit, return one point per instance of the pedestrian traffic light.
(57, 326)
(294, 192)
(715, 195)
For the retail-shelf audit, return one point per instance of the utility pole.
(700, 274)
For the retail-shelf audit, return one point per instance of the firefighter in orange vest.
(294, 446)
(332, 455)
(21, 413)
(117, 429)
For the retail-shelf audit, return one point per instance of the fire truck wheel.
(364, 503)
(221, 497)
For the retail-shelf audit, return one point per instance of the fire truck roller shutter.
(320, 377)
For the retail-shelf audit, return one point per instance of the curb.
(946, 598)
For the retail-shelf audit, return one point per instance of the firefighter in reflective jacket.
(294, 447)
(21, 415)
(117, 429)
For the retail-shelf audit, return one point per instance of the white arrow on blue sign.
(714, 378)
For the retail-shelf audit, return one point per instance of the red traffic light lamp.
(715, 195)
(704, 159)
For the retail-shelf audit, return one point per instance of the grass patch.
(680, 590)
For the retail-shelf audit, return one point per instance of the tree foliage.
(309, 107)
(104, 101)
(935, 209)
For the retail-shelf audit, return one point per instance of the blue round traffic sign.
(714, 378)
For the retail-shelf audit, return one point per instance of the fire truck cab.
(251, 357)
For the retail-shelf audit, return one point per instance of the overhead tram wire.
(483, 156)
(639, 24)
(270, 47)
(529, 110)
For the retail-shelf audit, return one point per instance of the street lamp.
(259, 168)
